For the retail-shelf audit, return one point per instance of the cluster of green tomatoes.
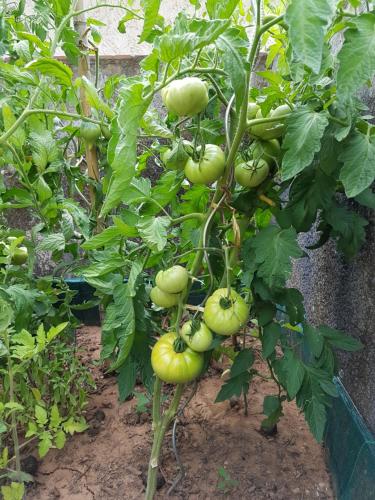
(18, 254)
(206, 164)
(178, 358)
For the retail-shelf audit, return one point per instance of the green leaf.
(293, 372)
(71, 426)
(271, 335)
(201, 33)
(340, 340)
(243, 361)
(153, 231)
(139, 190)
(316, 417)
(366, 198)
(151, 11)
(18, 137)
(126, 379)
(233, 44)
(126, 329)
(210, 129)
(309, 192)
(52, 67)
(347, 228)
(308, 21)
(93, 97)
(153, 126)
(44, 149)
(45, 444)
(55, 330)
(164, 191)
(52, 243)
(41, 415)
(272, 408)
(6, 315)
(122, 147)
(314, 339)
(235, 386)
(221, 9)
(55, 418)
(15, 491)
(110, 236)
(101, 268)
(305, 128)
(358, 157)
(60, 439)
(357, 64)
(274, 249)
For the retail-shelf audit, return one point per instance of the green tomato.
(172, 280)
(106, 132)
(197, 336)
(272, 130)
(185, 97)
(175, 367)
(266, 150)
(19, 256)
(252, 173)
(209, 168)
(252, 110)
(90, 131)
(163, 299)
(225, 315)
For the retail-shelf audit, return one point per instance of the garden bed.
(223, 451)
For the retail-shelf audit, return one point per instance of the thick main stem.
(160, 428)
(11, 400)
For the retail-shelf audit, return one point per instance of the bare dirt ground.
(224, 454)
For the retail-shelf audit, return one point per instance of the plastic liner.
(350, 449)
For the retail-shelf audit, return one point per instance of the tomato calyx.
(179, 345)
(195, 327)
(225, 303)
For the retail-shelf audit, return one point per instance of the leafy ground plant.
(241, 169)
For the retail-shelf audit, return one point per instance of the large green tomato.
(209, 168)
(252, 173)
(272, 130)
(266, 150)
(197, 336)
(90, 131)
(19, 256)
(175, 367)
(163, 299)
(186, 97)
(225, 315)
(172, 280)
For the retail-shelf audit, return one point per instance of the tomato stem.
(159, 432)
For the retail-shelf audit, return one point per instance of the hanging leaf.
(305, 128)
(52, 68)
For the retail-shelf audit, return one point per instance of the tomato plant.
(304, 138)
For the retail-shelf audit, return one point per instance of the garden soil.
(223, 451)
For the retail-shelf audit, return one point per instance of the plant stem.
(160, 429)
(11, 400)
(193, 215)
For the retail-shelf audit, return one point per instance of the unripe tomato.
(175, 367)
(106, 131)
(223, 314)
(266, 150)
(90, 131)
(197, 336)
(252, 173)
(252, 110)
(272, 130)
(164, 299)
(19, 256)
(185, 97)
(209, 168)
(172, 280)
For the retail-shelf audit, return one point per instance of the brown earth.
(214, 440)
